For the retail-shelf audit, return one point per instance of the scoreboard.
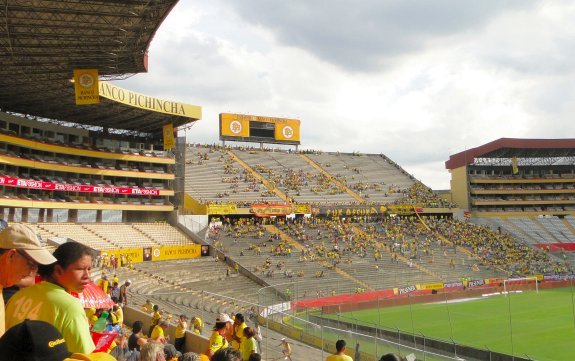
(259, 129)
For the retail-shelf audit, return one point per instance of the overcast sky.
(415, 80)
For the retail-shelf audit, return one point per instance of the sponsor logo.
(407, 289)
(287, 132)
(453, 284)
(236, 127)
(56, 342)
(475, 283)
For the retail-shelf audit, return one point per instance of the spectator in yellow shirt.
(158, 332)
(238, 335)
(180, 340)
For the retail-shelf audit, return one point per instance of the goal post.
(521, 283)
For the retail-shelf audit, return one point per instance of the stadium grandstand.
(283, 236)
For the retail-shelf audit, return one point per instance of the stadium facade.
(515, 177)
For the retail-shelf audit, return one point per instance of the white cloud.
(376, 77)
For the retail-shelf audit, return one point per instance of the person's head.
(148, 301)
(219, 326)
(163, 324)
(137, 326)
(156, 307)
(255, 357)
(249, 332)
(72, 267)
(227, 354)
(170, 351)
(183, 318)
(20, 254)
(239, 319)
(128, 283)
(391, 357)
(33, 340)
(190, 356)
(340, 345)
(223, 317)
(152, 351)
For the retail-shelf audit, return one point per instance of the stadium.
(311, 246)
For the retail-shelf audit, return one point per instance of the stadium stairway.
(332, 178)
(299, 247)
(258, 176)
(568, 225)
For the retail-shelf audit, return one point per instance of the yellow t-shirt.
(156, 317)
(120, 315)
(217, 342)
(157, 332)
(239, 333)
(181, 329)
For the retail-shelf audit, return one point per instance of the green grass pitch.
(540, 326)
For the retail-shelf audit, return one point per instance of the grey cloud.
(363, 35)
(196, 69)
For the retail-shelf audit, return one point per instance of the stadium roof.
(43, 41)
(512, 147)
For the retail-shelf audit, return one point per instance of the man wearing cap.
(20, 255)
(158, 331)
(51, 301)
(40, 341)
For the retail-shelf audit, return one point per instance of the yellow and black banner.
(349, 211)
(514, 165)
(168, 130)
(229, 208)
(86, 86)
(301, 208)
(137, 100)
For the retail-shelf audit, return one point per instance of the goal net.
(520, 284)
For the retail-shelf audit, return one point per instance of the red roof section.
(513, 147)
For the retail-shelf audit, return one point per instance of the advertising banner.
(267, 210)
(349, 211)
(301, 208)
(137, 100)
(430, 286)
(176, 252)
(230, 208)
(34, 184)
(168, 131)
(86, 86)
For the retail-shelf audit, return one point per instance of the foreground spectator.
(227, 354)
(217, 340)
(339, 355)
(20, 255)
(137, 339)
(50, 301)
(391, 357)
(40, 341)
(152, 351)
(249, 344)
